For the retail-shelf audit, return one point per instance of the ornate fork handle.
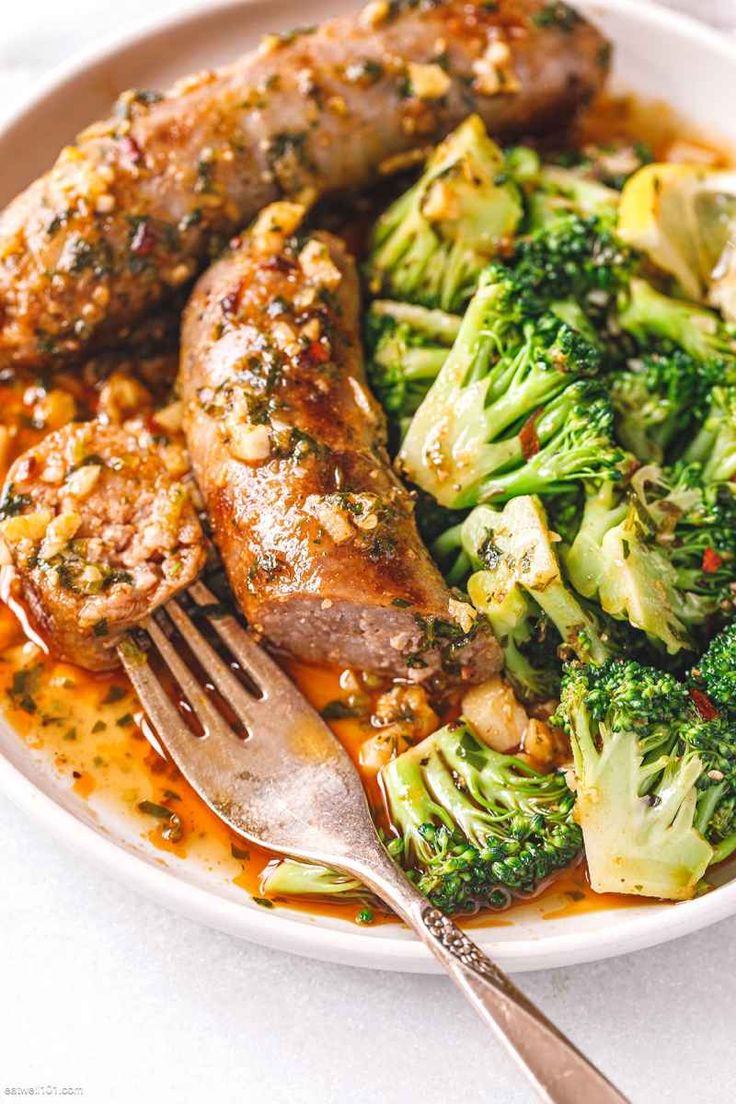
(559, 1072)
(325, 818)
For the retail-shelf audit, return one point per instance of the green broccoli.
(714, 446)
(646, 313)
(293, 878)
(696, 525)
(475, 827)
(623, 560)
(659, 398)
(432, 243)
(520, 589)
(715, 675)
(406, 346)
(573, 258)
(512, 411)
(561, 191)
(654, 781)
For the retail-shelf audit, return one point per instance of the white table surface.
(102, 990)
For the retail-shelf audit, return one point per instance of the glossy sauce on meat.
(316, 532)
(131, 211)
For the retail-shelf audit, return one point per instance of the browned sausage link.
(316, 532)
(99, 534)
(131, 211)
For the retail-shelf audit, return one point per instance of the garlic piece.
(331, 516)
(317, 265)
(275, 224)
(494, 73)
(59, 533)
(26, 526)
(428, 82)
(497, 717)
(250, 443)
(82, 482)
(462, 613)
(375, 13)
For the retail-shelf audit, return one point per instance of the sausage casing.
(133, 209)
(316, 532)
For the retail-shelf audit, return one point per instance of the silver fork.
(280, 778)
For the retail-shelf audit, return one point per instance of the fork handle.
(558, 1071)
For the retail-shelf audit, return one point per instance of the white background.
(104, 990)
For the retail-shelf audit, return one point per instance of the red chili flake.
(131, 149)
(279, 263)
(528, 436)
(712, 561)
(228, 303)
(143, 241)
(703, 704)
(315, 353)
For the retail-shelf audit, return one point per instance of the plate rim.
(276, 928)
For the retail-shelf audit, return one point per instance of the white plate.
(658, 54)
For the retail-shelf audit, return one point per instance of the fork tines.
(198, 670)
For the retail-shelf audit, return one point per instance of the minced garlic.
(59, 533)
(317, 265)
(428, 82)
(494, 73)
(275, 224)
(30, 526)
(332, 517)
(250, 443)
(81, 482)
(462, 614)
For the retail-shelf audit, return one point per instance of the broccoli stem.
(436, 325)
(645, 312)
(293, 878)
(714, 447)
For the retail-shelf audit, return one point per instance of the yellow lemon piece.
(683, 217)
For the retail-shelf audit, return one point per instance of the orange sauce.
(625, 118)
(92, 729)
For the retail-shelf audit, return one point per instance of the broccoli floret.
(646, 313)
(406, 346)
(696, 525)
(658, 399)
(475, 827)
(511, 411)
(573, 258)
(714, 447)
(293, 878)
(520, 589)
(432, 243)
(637, 777)
(715, 674)
(560, 192)
(713, 741)
(620, 559)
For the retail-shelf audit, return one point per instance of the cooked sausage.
(316, 532)
(132, 210)
(99, 534)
